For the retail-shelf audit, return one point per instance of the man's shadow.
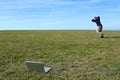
(115, 37)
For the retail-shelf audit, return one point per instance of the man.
(99, 25)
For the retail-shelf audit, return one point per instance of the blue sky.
(58, 14)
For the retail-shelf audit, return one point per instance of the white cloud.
(96, 1)
(114, 9)
(20, 4)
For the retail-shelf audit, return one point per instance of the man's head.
(94, 19)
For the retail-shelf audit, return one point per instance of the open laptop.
(37, 66)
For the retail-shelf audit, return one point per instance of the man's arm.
(99, 18)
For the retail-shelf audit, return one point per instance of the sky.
(58, 14)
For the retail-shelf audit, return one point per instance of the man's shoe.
(101, 36)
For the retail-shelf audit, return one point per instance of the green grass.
(73, 55)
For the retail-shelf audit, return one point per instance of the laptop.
(37, 66)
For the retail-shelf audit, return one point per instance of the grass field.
(73, 55)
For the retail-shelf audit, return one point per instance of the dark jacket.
(97, 21)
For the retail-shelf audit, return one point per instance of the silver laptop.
(37, 66)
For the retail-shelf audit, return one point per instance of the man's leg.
(101, 35)
(99, 31)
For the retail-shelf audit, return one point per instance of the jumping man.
(99, 25)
